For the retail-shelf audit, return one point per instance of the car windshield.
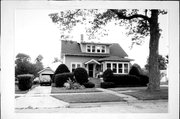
(46, 77)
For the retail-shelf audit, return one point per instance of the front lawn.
(143, 94)
(89, 98)
(64, 90)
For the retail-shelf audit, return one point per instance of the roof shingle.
(73, 48)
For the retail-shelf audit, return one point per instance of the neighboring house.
(95, 57)
(45, 71)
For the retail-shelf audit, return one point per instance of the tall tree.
(140, 23)
(23, 64)
(163, 61)
(56, 60)
(39, 58)
(38, 64)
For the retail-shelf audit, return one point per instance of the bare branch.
(120, 15)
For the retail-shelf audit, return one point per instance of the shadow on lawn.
(143, 94)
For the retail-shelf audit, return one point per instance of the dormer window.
(93, 48)
(103, 49)
(88, 48)
(96, 49)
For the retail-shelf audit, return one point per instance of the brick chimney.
(82, 38)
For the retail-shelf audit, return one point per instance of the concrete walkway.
(128, 98)
(32, 100)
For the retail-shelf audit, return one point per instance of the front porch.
(93, 67)
(116, 64)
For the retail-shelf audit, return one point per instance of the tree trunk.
(154, 73)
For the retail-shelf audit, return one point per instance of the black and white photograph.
(90, 58)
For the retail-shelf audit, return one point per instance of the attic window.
(93, 48)
(88, 48)
(98, 48)
(103, 49)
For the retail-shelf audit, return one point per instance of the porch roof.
(115, 58)
(92, 61)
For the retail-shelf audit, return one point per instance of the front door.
(90, 69)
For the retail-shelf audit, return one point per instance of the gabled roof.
(89, 54)
(116, 50)
(115, 58)
(48, 68)
(72, 48)
(92, 61)
(96, 43)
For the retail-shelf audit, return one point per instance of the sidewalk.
(40, 99)
(32, 100)
(127, 98)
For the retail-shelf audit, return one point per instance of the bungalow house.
(94, 57)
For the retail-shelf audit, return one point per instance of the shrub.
(62, 78)
(144, 80)
(134, 71)
(72, 85)
(81, 75)
(107, 75)
(126, 80)
(107, 85)
(25, 81)
(62, 68)
(89, 85)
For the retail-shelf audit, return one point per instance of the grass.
(63, 90)
(143, 94)
(89, 98)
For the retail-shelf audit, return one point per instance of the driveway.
(38, 98)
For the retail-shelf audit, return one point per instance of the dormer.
(92, 47)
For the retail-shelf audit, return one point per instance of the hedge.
(107, 85)
(89, 85)
(125, 79)
(134, 71)
(25, 81)
(60, 79)
(62, 68)
(107, 75)
(144, 80)
(81, 75)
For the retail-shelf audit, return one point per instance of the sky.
(36, 34)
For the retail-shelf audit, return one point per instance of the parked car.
(45, 79)
(36, 80)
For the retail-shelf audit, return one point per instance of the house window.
(103, 49)
(93, 48)
(120, 68)
(126, 68)
(78, 65)
(98, 49)
(88, 48)
(108, 65)
(75, 65)
(114, 68)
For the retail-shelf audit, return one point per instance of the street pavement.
(40, 100)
